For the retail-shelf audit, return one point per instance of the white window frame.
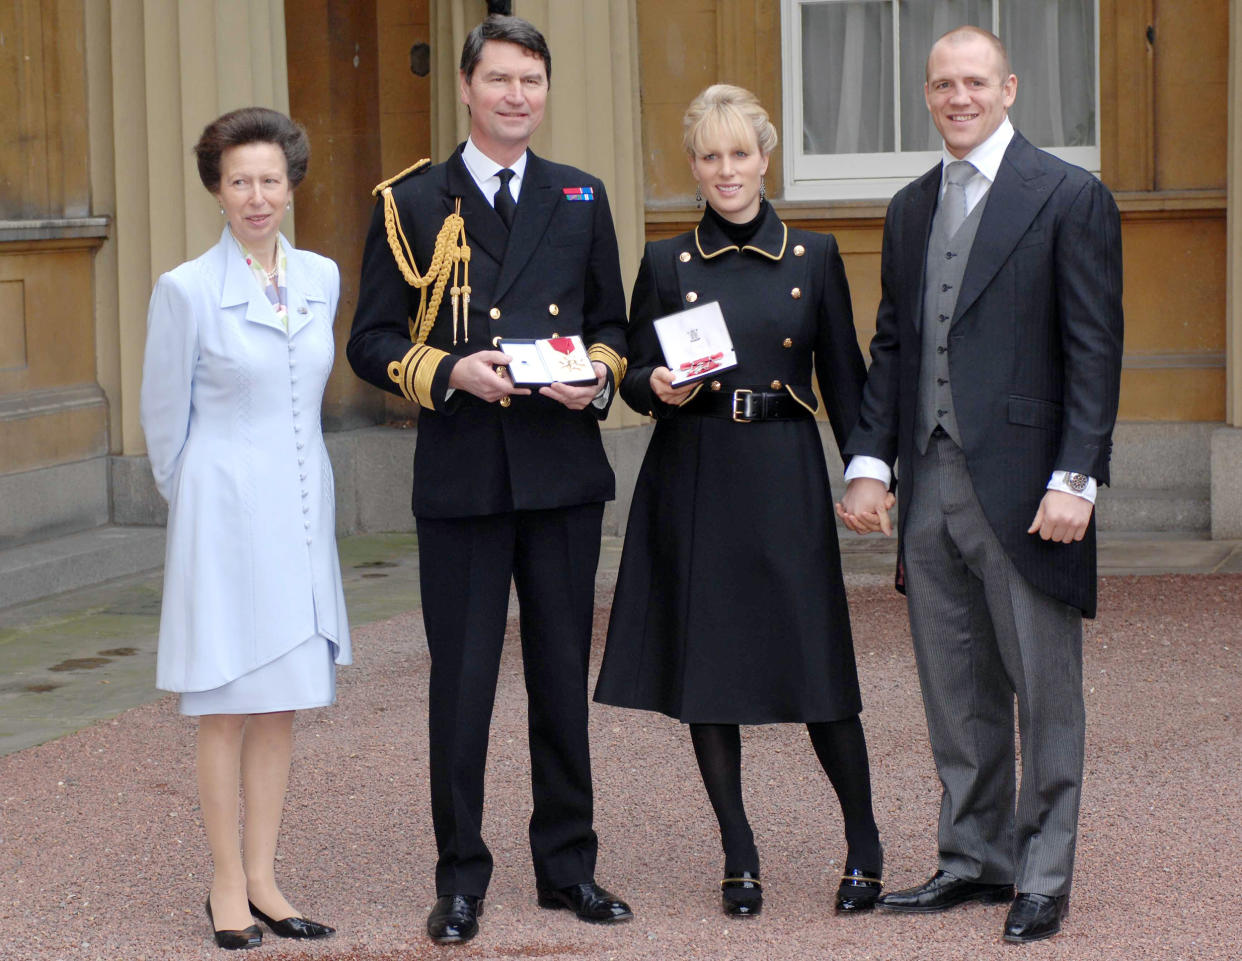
(863, 176)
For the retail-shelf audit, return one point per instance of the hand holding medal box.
(551, 360)
(696, 343)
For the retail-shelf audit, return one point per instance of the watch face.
(1077, 482)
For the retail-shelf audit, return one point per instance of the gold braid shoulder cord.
(450, 258)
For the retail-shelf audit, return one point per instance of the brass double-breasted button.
(799, 250)
(715, 385)
(691, 297)
(787, 342)
(494, 313)
(776, 385)
(505, 401)
(796, 293)
(684, 256)
(553, 309)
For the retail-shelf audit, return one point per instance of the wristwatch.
(1076, 482)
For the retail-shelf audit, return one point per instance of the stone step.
(77, 560)
(1185, 509)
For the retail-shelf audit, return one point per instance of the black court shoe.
(293, 927)
(741, 894)
(250, 937)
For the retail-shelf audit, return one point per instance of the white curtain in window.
(848, 71)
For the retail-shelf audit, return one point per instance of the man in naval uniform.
(994, 382)
(508, 482)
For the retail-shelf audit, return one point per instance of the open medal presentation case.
(550, 360)
(696, 343)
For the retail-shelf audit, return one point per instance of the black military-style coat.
(556, 272)
(730, 606)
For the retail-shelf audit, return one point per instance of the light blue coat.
(231, 412)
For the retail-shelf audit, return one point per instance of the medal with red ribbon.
(564, 345)
(694, 368)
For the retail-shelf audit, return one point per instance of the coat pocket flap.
(1033, 412)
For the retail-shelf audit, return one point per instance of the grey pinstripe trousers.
(982, 635)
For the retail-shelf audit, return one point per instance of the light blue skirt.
(302, 678)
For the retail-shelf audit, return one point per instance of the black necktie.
(504, 202)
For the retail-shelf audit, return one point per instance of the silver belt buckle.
(742, 396)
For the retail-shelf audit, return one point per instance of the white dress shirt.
(986, 159)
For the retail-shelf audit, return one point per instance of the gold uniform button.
(788, 342)
(553, 309)
(684, 256)
(505, 401)
(796, 293)
(799, 250)
(494, 313)
(715, 385)
(775, 385)
(691, 297)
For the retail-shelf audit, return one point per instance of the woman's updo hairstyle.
(724, 115)
(246, 126)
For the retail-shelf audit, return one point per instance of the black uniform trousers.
(465, 569)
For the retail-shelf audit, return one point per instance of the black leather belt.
(744, 405)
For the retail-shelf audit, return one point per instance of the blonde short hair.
(724, 115)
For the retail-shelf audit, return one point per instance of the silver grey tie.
(956, 176)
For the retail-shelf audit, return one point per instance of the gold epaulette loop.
(451, 251)
(413, 168)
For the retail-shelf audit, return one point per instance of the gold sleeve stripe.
(610, 359)
(415, 373)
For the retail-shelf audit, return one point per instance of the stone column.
(1227, 442)
(168, 69)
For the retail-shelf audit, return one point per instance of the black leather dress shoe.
(588, 901)
(943, 891)
(250, 937)
(741, 894)
(455, 918)
(858, 890)
(1033, 917)
(293, 927)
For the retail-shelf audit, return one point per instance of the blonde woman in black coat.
(730, 606)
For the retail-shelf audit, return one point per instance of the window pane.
(847, 77)
(1051, 44)
(921, 24)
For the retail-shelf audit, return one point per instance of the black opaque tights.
(842, 751)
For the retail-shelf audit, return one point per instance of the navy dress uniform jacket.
(1034, 350)
(555, 272)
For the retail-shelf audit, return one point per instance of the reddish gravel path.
(102, 854)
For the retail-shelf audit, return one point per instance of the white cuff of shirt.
(601, 399)
(1057, 483)
(862, 465)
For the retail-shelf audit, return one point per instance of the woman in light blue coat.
(239, 348)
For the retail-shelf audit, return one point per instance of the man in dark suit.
(507, 483)
(994, 383)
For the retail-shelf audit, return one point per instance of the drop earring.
(221, 211)
(763, 190)
(698, 195)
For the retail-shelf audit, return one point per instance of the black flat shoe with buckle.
(858, 890)
(741, 894)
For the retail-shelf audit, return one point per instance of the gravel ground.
(102, 853)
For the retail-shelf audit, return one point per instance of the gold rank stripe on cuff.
(415, 372)
(610, 359)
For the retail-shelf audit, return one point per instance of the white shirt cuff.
(862, 465)
(601, 399)
(1058, 483)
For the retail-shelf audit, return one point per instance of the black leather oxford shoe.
(250, 937)
(455, 918)
(293, 927)
(1033, 917)
(943, 891)
(588, 901)
(741, 894)
(858, 890)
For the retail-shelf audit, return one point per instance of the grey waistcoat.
(946, 265)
